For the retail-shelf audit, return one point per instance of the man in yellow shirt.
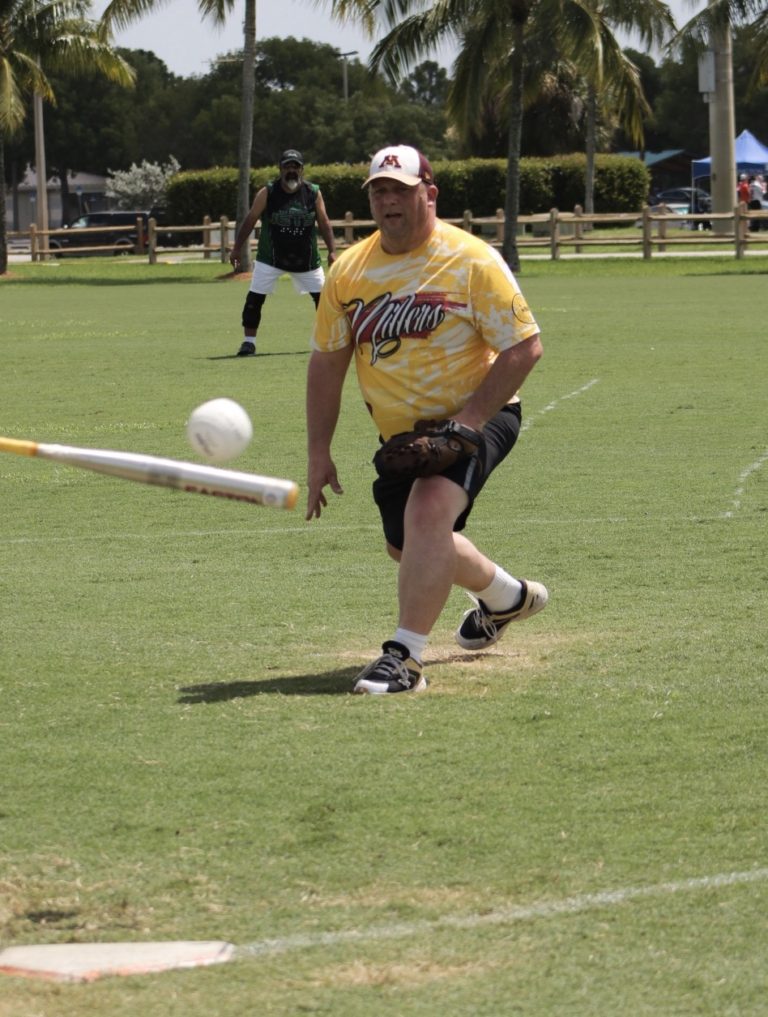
(438, 329)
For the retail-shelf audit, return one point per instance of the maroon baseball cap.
(403, 163)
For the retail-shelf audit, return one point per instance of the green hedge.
(621, 185)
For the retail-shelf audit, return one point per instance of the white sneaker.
(481, 627)
(394, 671)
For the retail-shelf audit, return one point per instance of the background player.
(291, 212)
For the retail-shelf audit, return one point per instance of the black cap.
(291, 155)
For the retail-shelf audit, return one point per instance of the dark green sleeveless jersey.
(288, 235)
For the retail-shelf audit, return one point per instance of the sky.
(187, 45)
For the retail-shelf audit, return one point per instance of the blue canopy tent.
(751, 157)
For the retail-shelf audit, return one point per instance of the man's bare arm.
(508, 373)
(246, 228)
(325, 382)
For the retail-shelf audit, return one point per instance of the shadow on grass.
(260, 355)
(328, 683)
(331, 683)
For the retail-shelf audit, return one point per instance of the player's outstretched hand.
(319, 476)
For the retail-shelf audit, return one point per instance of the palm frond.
(361, 12)
(122, 13)
(76, 52)
(12, 109)
(482, 71)
(216, 11)
(38, 36)
(651, 20)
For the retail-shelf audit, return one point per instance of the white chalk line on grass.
(529, 421)
(502, 916)
(742, 483)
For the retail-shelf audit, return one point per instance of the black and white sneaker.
(247, 349)
(394, 671)
(481, 627)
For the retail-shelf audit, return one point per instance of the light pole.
(352, 52)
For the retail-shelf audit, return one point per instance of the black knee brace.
(252, 310)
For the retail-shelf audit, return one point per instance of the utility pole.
(352, 52)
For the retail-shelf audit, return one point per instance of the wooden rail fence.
(659, 229)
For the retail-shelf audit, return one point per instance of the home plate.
(85, 962)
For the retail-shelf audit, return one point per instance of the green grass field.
(572, 824)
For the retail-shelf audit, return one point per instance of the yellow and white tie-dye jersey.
(426, 325)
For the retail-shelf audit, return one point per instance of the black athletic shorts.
(500, 434)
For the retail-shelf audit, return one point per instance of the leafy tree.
(613, 83)
(553, 99)
(750, 96)
(282, 63)
(212, 134)
(650, 80)
(427, 84)
(37, 38)
(97, 124)
(19, 152)
(719, 15)
(554, 116)
(123, 12)
(681, 116)
(295, 106)
(141, 186)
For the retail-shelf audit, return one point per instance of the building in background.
(86, 192)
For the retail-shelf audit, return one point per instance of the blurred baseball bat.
(145, 469)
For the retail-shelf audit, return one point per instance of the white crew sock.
(415, 642)
(503, 593)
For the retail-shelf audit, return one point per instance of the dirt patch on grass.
(389, 898)
(48, 897)
(234, 277)
(411, 975)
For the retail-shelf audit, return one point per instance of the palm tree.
(719, 14)
(498, 59)
(612, 79)
(246, 127)
(121, 13)
(37, 37)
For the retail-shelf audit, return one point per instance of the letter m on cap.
(391, 160)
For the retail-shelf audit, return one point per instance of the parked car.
(121, 233)
(695, 199)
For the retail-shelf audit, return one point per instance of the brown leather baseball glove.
(430, 448)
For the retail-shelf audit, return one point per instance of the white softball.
(219, 430)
